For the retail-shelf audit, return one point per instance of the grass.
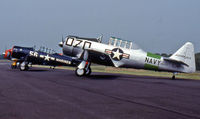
(140, 72)
(4, 60)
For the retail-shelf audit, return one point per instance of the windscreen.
(118, 42)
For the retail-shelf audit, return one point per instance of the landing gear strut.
(88, 72)
(14, 65)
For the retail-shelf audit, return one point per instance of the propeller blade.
(62, 42)
(62, 39)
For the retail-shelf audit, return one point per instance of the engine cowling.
(69, 48)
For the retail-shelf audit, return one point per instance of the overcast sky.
(157, 26)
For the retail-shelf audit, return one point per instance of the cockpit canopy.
(46, 50)
(118, 42)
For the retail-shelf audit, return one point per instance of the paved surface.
(59, 94)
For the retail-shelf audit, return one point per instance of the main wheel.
(80, 72)
(88, 72)
(173, 77)
(23, 66)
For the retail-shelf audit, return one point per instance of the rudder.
(186, 55)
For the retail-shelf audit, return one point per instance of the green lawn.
(145, 72)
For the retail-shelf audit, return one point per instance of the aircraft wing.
(100, 58)
(103, 59)
(175, 61)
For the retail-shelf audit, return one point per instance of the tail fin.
(186, 54)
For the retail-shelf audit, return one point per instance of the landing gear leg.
(89, 71)
(14, 65)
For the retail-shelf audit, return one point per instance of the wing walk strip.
(130, 101)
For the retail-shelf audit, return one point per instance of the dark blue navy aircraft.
(24, 57)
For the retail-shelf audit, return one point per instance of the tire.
(23, 66)
(80, 72)
(88, 72)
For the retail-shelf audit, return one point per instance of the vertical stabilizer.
(186, 54)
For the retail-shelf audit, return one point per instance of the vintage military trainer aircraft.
(23, 57)
(122, 53)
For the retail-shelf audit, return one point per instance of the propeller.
(3, 54)
(62, 39)
(62, 42)
(7, 54)
(100, 38)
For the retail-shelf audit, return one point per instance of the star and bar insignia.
(117, 54)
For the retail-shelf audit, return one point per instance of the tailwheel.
(23, 66)
(174, 76)
(88, 72)
(80, 72)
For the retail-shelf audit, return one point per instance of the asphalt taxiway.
(58, 94)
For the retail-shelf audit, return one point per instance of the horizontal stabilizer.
(175, 61)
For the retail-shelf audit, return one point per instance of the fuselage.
(119, 56)
(39, 57)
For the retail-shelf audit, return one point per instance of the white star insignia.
(117, 54)
(47, 58)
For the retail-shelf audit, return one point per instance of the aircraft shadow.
(103, 77)
(157, 78)
(37, 70)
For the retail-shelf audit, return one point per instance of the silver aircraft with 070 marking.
(122, 53)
